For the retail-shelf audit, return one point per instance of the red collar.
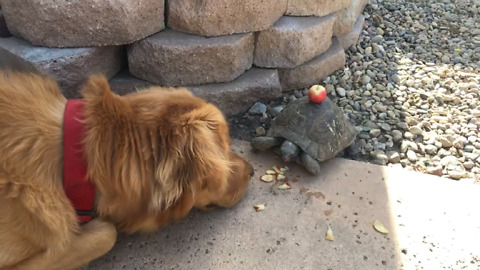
(78, 188)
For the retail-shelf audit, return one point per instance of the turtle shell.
(321, 130)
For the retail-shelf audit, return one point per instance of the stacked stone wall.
(229, 52)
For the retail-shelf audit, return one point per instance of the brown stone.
(315, 7)
(124, 83)
(3, 26)
(349, 39)
(173, 58)
(347, 17)
(223, 17)
(69, 66)
(84, 23)
(237, 96)
(313, 71)
(293, 41)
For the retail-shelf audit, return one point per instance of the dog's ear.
(97, 92)
(195, 153)
(96, 86)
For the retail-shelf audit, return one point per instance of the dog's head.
(157, 153)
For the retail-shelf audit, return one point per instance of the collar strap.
(78, 187)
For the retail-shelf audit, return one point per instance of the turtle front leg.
(309, 163)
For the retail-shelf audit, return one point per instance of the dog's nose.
(252, 172)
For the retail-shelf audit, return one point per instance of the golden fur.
(153, 156)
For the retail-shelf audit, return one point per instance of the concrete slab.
(432, 223)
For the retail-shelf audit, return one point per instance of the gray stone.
(69, 66)
(293, 41)
(299, 94)
(289, 151)
(393, 157)
(264, 143)
(379, 146)
(411, 156)
(449, 160)
(3, 26)
(380, 156)
(375, 132)
(258, 108)
(124, 83)
(311, 165)
(366, 79)
(237, 96)
(348, 39)
(347, 17)
(458, 143)
(457, 174)
(396, 135)
(317, 8)
(396, 78)
(468, 165)
(444, 140)
(385, 126)
(377, 39)
(274, 111)
(431, 149)
(223, 17)
(402, 125)
(340, 91)
(406, 145)
(416, 130)
(435, 170)
(83, 23)
(379, 107)
(313, 71)
(173, 58)
(260, 131)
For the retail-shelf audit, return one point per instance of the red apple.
(317, 93)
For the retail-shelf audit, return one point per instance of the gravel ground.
(411, 86)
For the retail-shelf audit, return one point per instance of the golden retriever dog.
(152, 156)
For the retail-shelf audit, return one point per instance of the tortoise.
(308, 133)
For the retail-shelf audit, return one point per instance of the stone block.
(315, 7)
(173, 58)
(293, 41)
(123, 83)
(3, 26)
(347, 17)
(223, 17)
(315, 70)
(69, 66)
(61, 23)
(349, 39)
(237, 96)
